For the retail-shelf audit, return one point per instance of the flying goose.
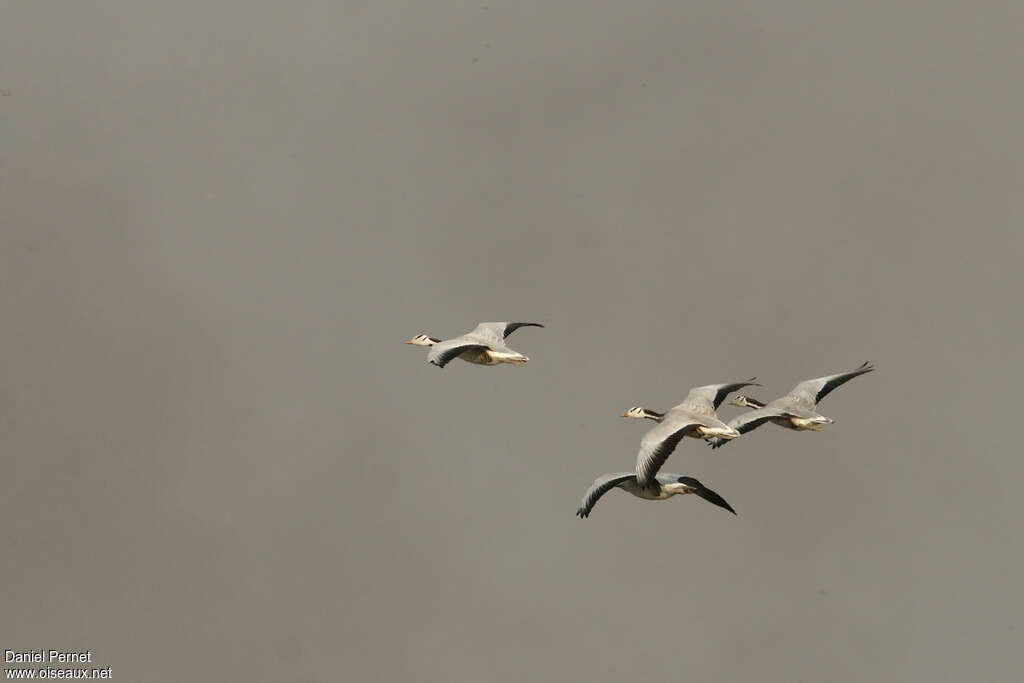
(664, 486)
(485, 345)
(703, 400)
(694, 417)
(795, 410)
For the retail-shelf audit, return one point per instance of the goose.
(694, 417)
(664, 486)
(795, 410)
(703, 400)
(484, 345)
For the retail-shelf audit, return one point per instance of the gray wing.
(657, 444)
(498, 331)
(442, 353)
(814, 390)
(748, 422)
(706, 399)
(601, 486)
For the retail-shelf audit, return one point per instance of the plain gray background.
(220, 221)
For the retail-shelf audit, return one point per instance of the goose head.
(745, 402)
(423, 340)
(641, 413)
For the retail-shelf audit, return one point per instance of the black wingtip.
(581, 513)
(713, 498)
(512, 327)
(722, 504)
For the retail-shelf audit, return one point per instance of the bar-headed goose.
(664, 486)
(485, 345)
(701, 400)
(795, 410)
(694, 417)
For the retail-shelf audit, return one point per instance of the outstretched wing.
(706, 493)
(601, 486)
(444, 352)
(814, 390)
(499, 331)
(748, 422)
(705, 400)
(657, 444)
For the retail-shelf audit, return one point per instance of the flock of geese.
(695, 417)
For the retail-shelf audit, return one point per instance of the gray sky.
(221, 221)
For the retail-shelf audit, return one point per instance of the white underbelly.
(506, 357)
(802, 423)
(709, 432)
(480, 357)
(657, 493)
